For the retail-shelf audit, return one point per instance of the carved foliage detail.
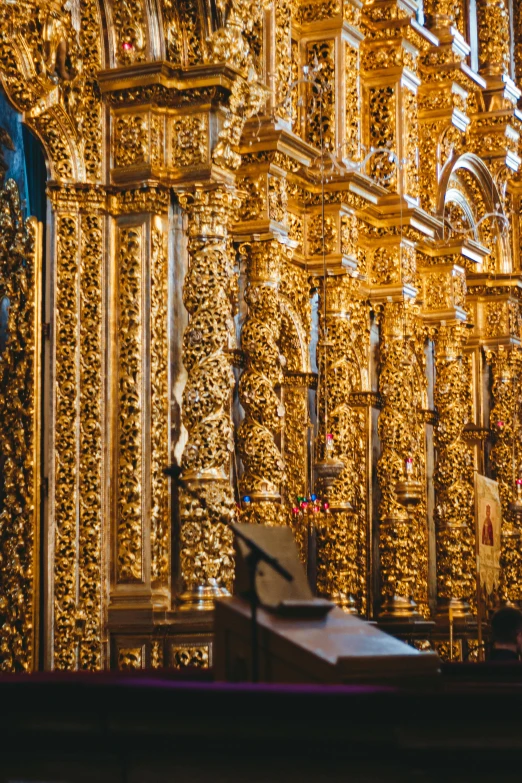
(130, 405)
(19, 479)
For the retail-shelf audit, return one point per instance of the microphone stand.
(255, 556)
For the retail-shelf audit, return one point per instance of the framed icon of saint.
(488, 518)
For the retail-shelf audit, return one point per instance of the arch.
(490, 200)
(49, 75)
(296, 335)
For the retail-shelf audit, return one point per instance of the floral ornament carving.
(130, 407)
(229, 43)
(130, 27)
(342, 544)
(49, 66)
(19, 401)
(207, 503)
(259, 386)
(454, 471)
(401, 430)
(506, 454)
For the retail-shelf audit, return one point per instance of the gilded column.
(343, 360)
(77, 430)
(139, 402)
(207, 501)
(494, 37)
(20, 290)
(453, 475)
(259, 434)
(402, 540)
(506, 370)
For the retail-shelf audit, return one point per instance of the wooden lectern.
(339, 648)
(334, 648)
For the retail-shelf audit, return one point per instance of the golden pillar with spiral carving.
(207, 501)
(400, 472)
(342, 358)
(259, 434)
(505, 456)
(453, 476)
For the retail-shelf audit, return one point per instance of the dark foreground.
(151, 728)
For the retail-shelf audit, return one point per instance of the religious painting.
(488, 514)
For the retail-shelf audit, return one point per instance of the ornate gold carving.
(90, 558)
(505, 456)
(352, 140)
(132, 139)
(130, 407)
(66, 437)
(190, 140)
(19, 431)
(190, 655)
(342, 536)
(262, 460)
(382, 133)
(207, 501)
(403, 545)
(50, 54)
(494, 36)
(320, 116)
(130, 658)
(159, 359)
(315, 235)
(185, 39)
(130, 29)
(453, 472)
(156, 654)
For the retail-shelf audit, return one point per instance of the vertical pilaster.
(140, 502)
(76, 536)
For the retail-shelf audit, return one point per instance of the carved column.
(342, 544)
(506, 370)
(206, 498)
(389, 62)
(494, 37)
(139, 357)
(441, 14)
(402, 561)
(77, 430)
(453, 475)
(259, 434)
(20, 351)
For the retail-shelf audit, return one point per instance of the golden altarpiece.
(280, 235)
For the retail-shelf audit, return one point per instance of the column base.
(200, 598)
(345, 601)
(459, 609)
(400, 609)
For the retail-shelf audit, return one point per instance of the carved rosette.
(506, 370)
(19, 433)
(402, 540)
(259, 387)
(453, 478)
(206, 498)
